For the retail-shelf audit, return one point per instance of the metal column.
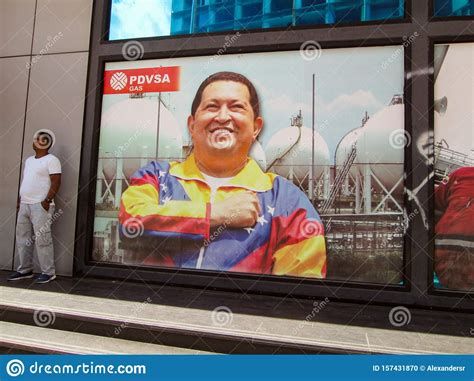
(367, 189)
(118, 182)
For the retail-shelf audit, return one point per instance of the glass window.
(454, 7)
(148, 18)
(454, 165)
(240, 186)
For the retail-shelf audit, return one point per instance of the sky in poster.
(349, 82)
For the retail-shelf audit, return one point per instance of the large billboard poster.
(454, 165)
(283, 163)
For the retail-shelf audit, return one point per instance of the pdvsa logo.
(118, 81)
(142, 80)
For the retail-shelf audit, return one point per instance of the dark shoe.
(17, 276)
(44, 278)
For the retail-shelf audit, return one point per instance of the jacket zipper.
(203, 248)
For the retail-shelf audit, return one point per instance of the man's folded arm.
(140, 209)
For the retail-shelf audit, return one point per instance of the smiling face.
(224, 126)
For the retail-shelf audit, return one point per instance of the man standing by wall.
(41, 181)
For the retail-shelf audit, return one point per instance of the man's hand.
(238, 211)
(45, 205)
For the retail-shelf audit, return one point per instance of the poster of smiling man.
(283, 163)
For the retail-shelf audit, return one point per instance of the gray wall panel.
(13, 85)
(62, 26)
(16, 27)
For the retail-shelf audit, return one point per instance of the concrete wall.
(43, 67)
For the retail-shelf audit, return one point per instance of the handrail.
(338, 181)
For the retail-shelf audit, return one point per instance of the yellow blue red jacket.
(168, 205)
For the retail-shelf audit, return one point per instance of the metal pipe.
(313, 122)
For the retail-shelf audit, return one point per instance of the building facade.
(377, 204)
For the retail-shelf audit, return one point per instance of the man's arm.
(141, 210)
(300, 246)
(53, 189)
(238, 211)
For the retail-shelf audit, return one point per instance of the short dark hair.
(227, 76)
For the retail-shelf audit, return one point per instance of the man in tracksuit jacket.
(217, 210)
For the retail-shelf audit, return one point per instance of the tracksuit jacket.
(454, 255)
(166, 212)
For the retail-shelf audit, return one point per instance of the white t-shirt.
(36, 182)
(216, 182)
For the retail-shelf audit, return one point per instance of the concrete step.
(46, 340)
(220, 329)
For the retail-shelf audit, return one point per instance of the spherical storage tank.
(344, 148)
(453, 122)
(258, 154)
(290, 150)
(381, 144)
(128, 131)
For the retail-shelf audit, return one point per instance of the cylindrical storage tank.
(289, 150)
(381, 144)
(258, 154)
(129, 130)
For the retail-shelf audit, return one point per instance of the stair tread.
(150, 316)
(58, 341)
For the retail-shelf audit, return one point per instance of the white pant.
(34, 229)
